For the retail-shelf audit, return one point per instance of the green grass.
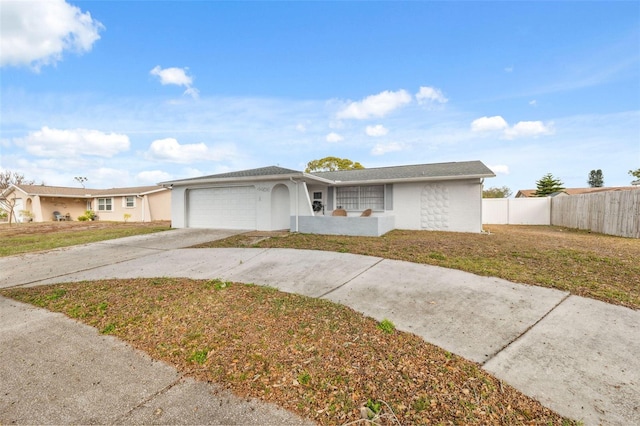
(36, 241)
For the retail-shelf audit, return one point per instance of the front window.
(130, 202)
(105, 204)
(360, 197)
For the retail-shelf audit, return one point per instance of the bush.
(88, 215)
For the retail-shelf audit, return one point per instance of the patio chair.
(57, 216)
(339, 212)
(366, 213)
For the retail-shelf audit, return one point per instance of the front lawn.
(591, 265)
(319, 359)
(29, 237)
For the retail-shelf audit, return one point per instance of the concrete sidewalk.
(577, 356)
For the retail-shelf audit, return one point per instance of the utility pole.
(81, 179)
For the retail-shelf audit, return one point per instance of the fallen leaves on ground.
(586, 264)
(319, 359)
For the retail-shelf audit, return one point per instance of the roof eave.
(409, 180)
(153, 191)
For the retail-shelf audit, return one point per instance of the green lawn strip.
(12, 245)
(319, 359)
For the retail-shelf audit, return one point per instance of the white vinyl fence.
(516, 211)
(611, 212)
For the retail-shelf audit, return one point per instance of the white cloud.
(334, 137)
(487, 124)
(377, 130)
(430, 94)
(69, 143)
(520, 129)
(381, 149)
(533, 102)
(114, 177)
(36, 33)
(301, 128)
(500, 169)
(178, 77)
(171, 150)
(528, 128)
(191, 172)
(375, 105)
(508, 69)
(152, 177)
(193, 92)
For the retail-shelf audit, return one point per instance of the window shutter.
(388, 196)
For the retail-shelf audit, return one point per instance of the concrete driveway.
(577, 356)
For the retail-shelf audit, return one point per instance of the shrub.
(88, 215)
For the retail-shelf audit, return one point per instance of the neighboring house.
(528, 193)
(139, 204)
(445, 196)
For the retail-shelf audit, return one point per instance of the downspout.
(297, 202)
(481, 204)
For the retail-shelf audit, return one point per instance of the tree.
(595, 179)
(548, 185)
(635, 173)
(331, 164)
(8, 178)
(497, 192)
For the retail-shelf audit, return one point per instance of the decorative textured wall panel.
(434, 207)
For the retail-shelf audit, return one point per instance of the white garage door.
(225, 208)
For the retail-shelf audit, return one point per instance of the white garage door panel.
(227, 208)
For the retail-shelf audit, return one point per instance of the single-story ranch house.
(42, 203)
(445, 196)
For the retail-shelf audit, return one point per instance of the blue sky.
(131, 93)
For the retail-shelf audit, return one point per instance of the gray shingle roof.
(262, 171)
(459, 170)
(427, 171)
(63, 191)
(242, 174)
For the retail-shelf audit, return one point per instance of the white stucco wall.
(299, 204)
(439, 206)
(446, 206)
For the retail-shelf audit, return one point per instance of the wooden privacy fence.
(611, 212)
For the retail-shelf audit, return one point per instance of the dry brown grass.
(325, 361)
(592, 265)
(319, 359)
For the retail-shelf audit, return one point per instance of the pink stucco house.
(39, 202)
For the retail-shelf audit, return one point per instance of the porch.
(373, 226)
